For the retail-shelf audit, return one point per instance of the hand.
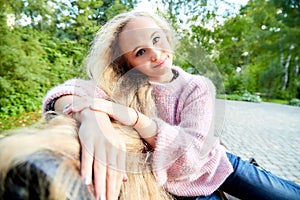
(145, 126)
(125, 115)
(103, 154)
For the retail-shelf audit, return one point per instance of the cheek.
(134, 62)
(130, 62)
(166, 45)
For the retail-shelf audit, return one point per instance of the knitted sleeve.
(184, 153)
(78, 87)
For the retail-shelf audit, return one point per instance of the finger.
(114, 182)
(87, 154)
(81, 103)
(79, 107)
(98, 105)
(86, 165)
(102, 106)
(100, 173)
(121, 162)
(96, 108)
(114, 177)
(67, 109)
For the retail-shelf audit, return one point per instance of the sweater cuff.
(51, 105)
(167, 149)
(76, 87)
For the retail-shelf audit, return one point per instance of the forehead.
(137, 32)
(140, 23)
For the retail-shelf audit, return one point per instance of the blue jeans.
(249, 182)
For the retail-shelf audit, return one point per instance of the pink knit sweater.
(188, 158)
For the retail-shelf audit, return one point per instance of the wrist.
(147, 128)
(83, 114)
(137, 118)
(88, 115)
(142, 121)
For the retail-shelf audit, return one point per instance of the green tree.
(47, 50)
(195, 23)
(261, 42)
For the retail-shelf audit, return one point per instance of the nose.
(155, 54)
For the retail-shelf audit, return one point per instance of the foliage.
(260, 44)
(256, 50)
(25, 119)
(31, 64)
(294, 102)
(247, 96)
(43, 45)
(234, 97)
(278, 101)
(195, 59)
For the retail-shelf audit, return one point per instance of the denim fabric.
(215, 196)
(249, 182)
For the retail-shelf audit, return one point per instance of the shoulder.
(194, 82)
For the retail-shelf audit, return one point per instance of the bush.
(32, 63)
(247, 96)
(294, 102)
(234, 97)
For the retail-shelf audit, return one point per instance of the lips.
(160, 63)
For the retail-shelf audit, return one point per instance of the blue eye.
(156, 39)
(140, 52)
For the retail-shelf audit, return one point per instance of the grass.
(278, 101)
(239, 98)
(22, 120)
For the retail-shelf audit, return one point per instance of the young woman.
(130, 62)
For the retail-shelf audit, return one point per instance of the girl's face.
(146, 48)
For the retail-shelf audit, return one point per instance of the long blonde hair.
(106, 64)
(58, 137)
(43, 163)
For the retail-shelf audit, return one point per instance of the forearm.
(65, 104)
(147, 129)
(144, 125)
(73, 87)
(62, 102)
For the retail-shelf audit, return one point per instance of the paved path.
(268, 132)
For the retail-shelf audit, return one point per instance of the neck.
(166, 78)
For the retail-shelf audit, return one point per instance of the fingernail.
(87, 180)
(102, 197)
(67, 109)
(125, 178)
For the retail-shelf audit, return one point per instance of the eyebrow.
(151, 36)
